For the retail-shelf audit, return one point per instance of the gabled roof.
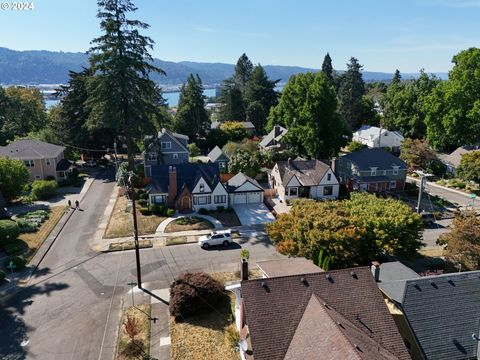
(63, 165)
(31, 149)
(238, 180)
(444, 312)
(308, 172)
(368, 158)
(372, 132)
(279, 310)
(456, 156)
(216, 153)
(174, 136)
(277, 133)
(288, 266)
(393, 278)
(188, 175)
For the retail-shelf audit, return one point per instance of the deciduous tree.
(13, 177)
(245, 162)
(417, 154)
(469, 168)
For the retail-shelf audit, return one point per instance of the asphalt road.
(71, 308)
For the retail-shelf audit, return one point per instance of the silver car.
(220, 237)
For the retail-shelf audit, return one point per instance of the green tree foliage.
(243, 72)
(350, 93)
(22, 111)
(192, 118)
(308, 109)
(121, 94)
(355, 146)
(43, 189)
(417, 154)
(9, 231)
(245, 162)
(348, 233)
(248, 145)
(231, 98)
(193, 149)
(260, 96)
(233, 131)
(327, 68)
(452, 110)
(469, 168)
(404, 104)
(13, 177)
(463, 241)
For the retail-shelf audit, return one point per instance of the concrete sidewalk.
(161, 228)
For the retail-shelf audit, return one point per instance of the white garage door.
(254, 197)
(240, 198)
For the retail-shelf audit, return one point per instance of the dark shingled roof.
(216, 153)
(274, 313)
(288, 266)
(368, 158)
(187, 175)
(238, 180)
(273, 137)
(444, 312)
(308, 172)
(63, 165)
(31, 149)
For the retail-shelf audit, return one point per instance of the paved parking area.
(251, 214)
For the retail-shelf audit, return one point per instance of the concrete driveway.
(251, 214)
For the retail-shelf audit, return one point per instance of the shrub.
(244, 254)
(13, 177)
(354, 146)
(145, 211)
(193, 294)
(170, 212)
(9, 231)
(143, 202)
(11, 248)
(203, 211)
(193, 149)
(143, 196)
(2, 275)
(229, 210)
(26, 226)
(18, 261)
(158, 209)
(43, 189)
(220, 208)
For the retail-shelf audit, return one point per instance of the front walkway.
(161, 228)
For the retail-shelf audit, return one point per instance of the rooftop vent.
(353, 274)
(265, 286)
(451, 282)
(357, 347)
(435, 286)
(304, 281)
(326, 305)
(329, 278)
(340, 324)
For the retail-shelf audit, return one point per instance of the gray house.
(272, 141)
(371, 170)
(219, 157)
(453, 160)
(168, 148)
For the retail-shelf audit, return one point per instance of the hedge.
(43, 189)
(9, 231)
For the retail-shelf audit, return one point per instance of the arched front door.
(186, 203)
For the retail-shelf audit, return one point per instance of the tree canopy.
(13, 177)
(469, 168)
(245, 162)
(350, 232)
(327, 67)
(417, 154)
(308, 109)
(350, 93)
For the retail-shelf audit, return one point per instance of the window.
(384, 172)
(395, 170)
(222, 165)
(159, 199)
(220, 199)
(327, 190)
(202, 200)
(293, 191)
(175, 156)
(202, 187)
(152, 156)
(166, 145)
(329, 177)
(373, 171)
(38, 177)
(148, 171)
(48, 161)
(393, 185)
(29, 163)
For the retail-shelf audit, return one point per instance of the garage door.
(240, 198)
(254, 197)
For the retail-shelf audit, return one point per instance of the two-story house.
(42, 159)
(168, 148)
(304, 179)
(371, 170)
(219, 157)
(375, 137)
(273, 140)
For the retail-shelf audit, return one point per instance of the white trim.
(174, 152)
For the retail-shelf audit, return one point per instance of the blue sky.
(382, 34)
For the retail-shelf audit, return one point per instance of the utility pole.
(420, 193)
(131, 191)
(116, 157)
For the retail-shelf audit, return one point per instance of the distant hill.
(51, 67)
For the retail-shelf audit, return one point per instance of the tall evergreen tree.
(121, 94)
(243, 72)
(192, 118)
(396, 77)
(231, 98)
(260, 95)
(352, 88)
(327, 67)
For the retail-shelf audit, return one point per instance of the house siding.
(166, 156)
(218, 191)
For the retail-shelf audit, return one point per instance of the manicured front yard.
(188, 223)
(34, 240)
(227, 217)
(139, 348)
(120, 223)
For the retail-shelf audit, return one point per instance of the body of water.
(172, 98)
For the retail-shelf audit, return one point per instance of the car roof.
(218, 232)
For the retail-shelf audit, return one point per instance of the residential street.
(71, 308)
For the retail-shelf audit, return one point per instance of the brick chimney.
(376, 270)
(172, 185)
(244, 270)
(276, 130)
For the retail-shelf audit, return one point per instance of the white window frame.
(152, 156)
(328, 187)
(29, 163)
(329, 177)
(201, 188)
(162, 197)
(395, 170)
(203, 200)
(373, 171)
(166, 145)
(175, 156)
(394, 183)
(220, 199)
(290, 191)
(47, 161)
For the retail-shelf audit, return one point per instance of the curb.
(429, 183)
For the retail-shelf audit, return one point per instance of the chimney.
(244, 270)
(289, 162)
(172, 185)
(333, 165)
(376, 270)
(276, 130)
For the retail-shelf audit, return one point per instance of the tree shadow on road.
(13, 330)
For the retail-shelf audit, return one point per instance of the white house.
(244, 190)
(370, 136)
(304, 179)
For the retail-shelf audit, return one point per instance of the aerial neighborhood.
(245, 211)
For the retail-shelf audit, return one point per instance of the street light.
(131, 193)
(423, 177)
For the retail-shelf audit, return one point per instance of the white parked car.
(220, 237)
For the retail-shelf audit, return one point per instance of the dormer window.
(395, 170)
(166, 145)
(202, 187)
(373, 171)
(152, 156)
